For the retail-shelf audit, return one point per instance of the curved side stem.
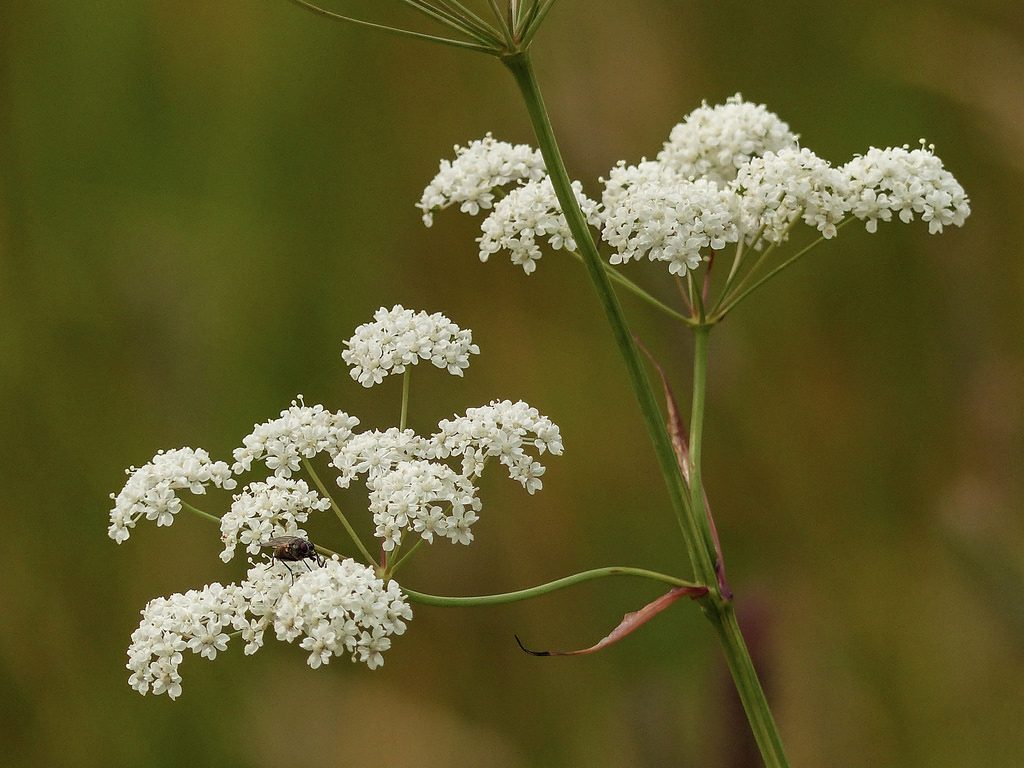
(197, 511)
(637, 291)
(543, 589)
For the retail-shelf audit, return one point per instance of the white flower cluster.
(729, 173)
(904, 181)
(263, 511)
(399, 337)
(302, 431)
(335, 607)
(339, 609)
(672, 222)
(715, 142)
(527, 214)
(374, 453)
(194, 621)
(470, 180)
(425, 497)
(501, 430)
(780, 187)
(410, 490)
(151, 490)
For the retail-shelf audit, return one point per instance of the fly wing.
(278, 541)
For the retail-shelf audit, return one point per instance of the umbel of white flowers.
(418, 486)
(729, 174)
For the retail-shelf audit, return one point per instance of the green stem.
(759, 714)
(737, 261)
(534, 23)
(637, 291)
(543, 589)
(398, 563)
(718, 609)
(393, 30)
(448, 19)
(405, 397)
(471, 18)
(196, 511)
(506, 29)
(337, 511)
(522, 70)
(740, 285)
(701, 334)
(728, 304)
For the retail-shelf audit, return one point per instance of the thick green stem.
(543, 589)
(690, 514)
(744, 676)
(521, 68)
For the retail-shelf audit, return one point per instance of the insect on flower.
(293, 549)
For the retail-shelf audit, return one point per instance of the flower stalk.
(337, 511)
(522, 70)
(687, 502)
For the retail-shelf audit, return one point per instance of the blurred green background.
(200, 200)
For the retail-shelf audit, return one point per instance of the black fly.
(291, 549)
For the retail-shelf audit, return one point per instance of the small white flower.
(302, 431)
(399, 337)
(264, 510)
(528, 215)
(320, 642)
(504, 430)
(151, 490)
(904, 181)
(714, 142)
(479, 169)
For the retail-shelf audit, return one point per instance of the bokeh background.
(199, 201)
